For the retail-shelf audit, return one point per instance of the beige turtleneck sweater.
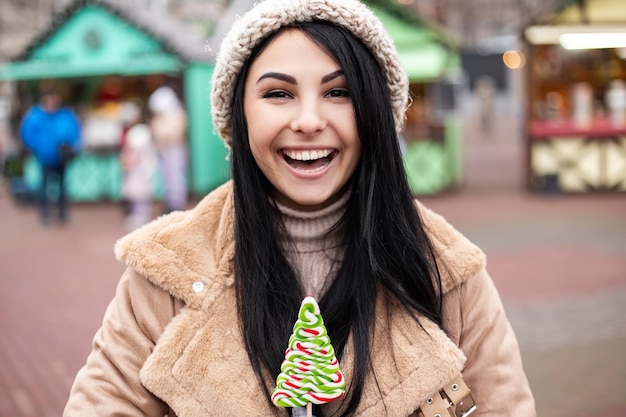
(315, 254)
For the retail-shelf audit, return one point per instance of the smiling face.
(301, 123)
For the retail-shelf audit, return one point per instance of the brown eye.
(339, 93)
(278, 94)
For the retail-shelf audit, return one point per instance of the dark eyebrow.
(291, 80)
(332, 76)
(279, 76)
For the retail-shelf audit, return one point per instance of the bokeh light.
(514, 59)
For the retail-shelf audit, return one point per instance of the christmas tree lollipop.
(310, 372)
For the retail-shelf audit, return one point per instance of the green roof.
(100, 37)
(424, 53)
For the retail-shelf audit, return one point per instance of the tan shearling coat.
(170, 343)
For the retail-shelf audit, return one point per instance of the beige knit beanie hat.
(270, 15)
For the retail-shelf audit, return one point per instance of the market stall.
(576, 99)
(432, 136)
(101, 54)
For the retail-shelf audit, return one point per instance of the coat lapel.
(409, 363)
(200, 367)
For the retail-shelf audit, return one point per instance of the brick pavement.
(57, 283)
(559, 263)
(560, 266)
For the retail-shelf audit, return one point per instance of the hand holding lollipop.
(310, 373)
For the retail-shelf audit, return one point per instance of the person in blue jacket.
(51, 132)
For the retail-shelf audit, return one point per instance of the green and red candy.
(310, 372)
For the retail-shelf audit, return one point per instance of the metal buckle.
(469, 411)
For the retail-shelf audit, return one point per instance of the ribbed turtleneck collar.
(312, 249)
(309, 229)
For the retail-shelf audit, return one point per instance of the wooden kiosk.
(102, 52)
(576, 99)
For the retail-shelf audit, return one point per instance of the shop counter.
(566, 157)
(90, 177)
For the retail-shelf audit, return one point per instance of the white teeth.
(308, 155)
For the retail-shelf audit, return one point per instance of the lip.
(310, 174)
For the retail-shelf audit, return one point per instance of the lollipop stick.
(309, 410)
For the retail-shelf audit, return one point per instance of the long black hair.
(386, 246)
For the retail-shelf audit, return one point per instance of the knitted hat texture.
(269, 16)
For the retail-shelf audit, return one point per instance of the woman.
(310, 96)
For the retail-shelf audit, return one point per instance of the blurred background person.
(169, 130)
(485, 92)
(51, 132)
(130, 114)
(139, 166)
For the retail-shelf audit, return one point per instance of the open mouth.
(309, 161)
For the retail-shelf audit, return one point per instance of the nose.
(309, 119)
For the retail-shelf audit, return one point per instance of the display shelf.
(576, 137)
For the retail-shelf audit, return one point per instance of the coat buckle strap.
(453, 400)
